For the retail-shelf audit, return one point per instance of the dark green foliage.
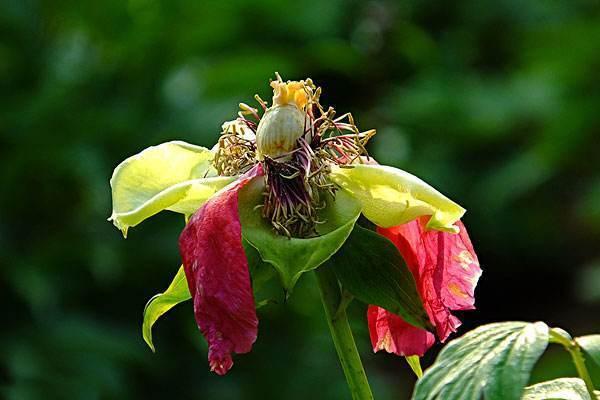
(591, 346)
(492, 362)
(370, 267)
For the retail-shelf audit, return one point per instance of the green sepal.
(371, 268)
(415, 364)
(265, 286)
(493, 362)
(174, 176)
(292, 257)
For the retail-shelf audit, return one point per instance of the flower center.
(297, 141)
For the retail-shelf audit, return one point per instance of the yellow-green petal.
(174, 176)
(391, 197)
(176, 293)
(415, 364)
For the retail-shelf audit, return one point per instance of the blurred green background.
(496, 103)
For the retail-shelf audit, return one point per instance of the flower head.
(289, 182)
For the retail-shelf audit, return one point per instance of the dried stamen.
(236, 149)
(296, 164)
(296, 190)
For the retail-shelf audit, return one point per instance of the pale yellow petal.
(391, 197)
(175, 176)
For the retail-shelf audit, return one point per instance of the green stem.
(574, 350)
(343, 340)
(582, 370)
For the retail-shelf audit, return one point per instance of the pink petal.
(445, 268)
(389, 332)
(217, 273)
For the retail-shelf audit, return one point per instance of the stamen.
(236, 149)
(297, 184)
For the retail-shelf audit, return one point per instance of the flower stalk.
(559, 336)
(341, 334)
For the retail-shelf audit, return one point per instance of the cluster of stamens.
(236, 150)
(297, 185)
(296, 190)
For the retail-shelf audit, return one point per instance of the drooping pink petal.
(217, 273)
(446, 271)
(391, 333)
(445, 268)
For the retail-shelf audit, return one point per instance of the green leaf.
(558, 389)
(371, 268)
(415, 364)
(493, 362)
(293, 257)
(391, 197)
(262, 274)
(174, 176)
(591, 345)
(560, 336)
(159, 304)
(178, 292)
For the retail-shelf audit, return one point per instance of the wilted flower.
(291, 181)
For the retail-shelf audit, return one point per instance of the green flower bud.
(283, 124)
(278, 131)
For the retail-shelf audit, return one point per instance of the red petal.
(217, 273)
(389, 332)
(445, 268)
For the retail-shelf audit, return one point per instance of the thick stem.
(342, 335)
